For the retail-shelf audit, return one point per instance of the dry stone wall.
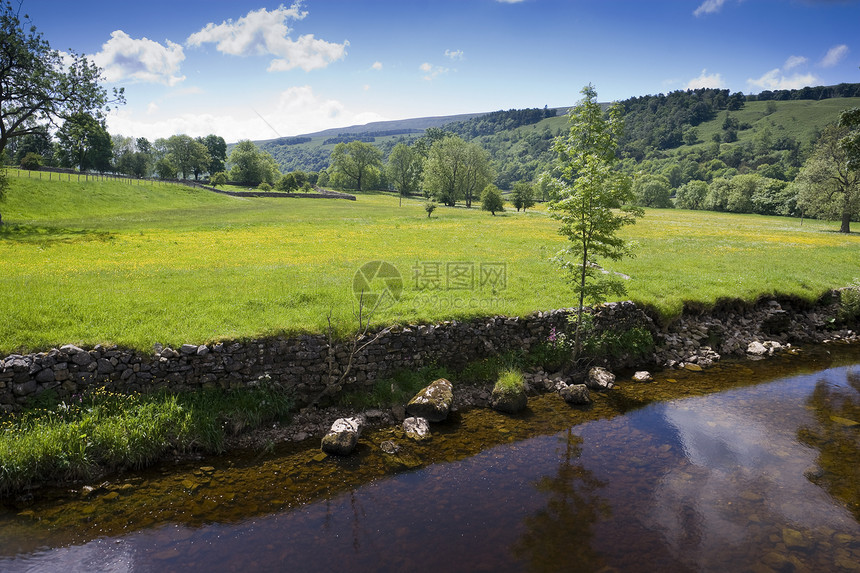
(306, 364)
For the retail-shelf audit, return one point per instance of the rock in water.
(643, 376)
(417, 429)
(342, 438)
(576, 394)
(433, 402)
(600, 379)
(509, 400)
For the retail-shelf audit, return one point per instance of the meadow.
(117, 263)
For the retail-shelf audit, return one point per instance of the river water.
(750, 466)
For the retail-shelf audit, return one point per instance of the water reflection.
(559, 536)
(835, 434)
(743, 479)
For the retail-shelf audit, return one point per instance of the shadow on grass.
(36, 234)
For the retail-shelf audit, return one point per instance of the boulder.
(417, 429)
(343, 436)
(775, 322)
(509, 400)
(576, 394)
(643, 376)
(600, 378)
(756, 348)
(433, 402)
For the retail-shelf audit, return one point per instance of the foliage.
(691, 195)
(188, 155)
(40, 85)
(826, 186)
(429, 206)
(523, 195)
(404, 169)
(165, 168)
(216, 148)
(31, 161)
(219, 178)
(455, 171)
(510, 380)
(591, 202)
(101, 430)
(84, 143)
(849, 303)
(250, 166)
(396, 389)
(491, 199)
(264, 187)
(356, 163)
(653, 191)
(492, 123)
(490, 369)
(634, 342)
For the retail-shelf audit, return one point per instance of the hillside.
(773, 128)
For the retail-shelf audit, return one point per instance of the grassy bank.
(102, 431)
(109, 262)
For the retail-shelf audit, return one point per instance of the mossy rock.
(433, 402)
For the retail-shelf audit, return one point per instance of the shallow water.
(752, 466)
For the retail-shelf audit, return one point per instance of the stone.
(692, 367)
(81, 358)
(643, 376)
(756, 348)
(188, 349)
(600, 378)
(794, 539)
(775, 322)
(45, 375)
(343, 436)
(509, 400)
(433, 402)
(576, 394)
(417, 429)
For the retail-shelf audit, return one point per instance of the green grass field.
(112, 262)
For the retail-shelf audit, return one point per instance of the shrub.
(429, 206)
(491, 199)
(510, 380)
(31, 161)
(264, 187)
(849, 303)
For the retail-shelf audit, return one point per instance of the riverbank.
(695, 342)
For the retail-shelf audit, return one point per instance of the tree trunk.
(846, 222)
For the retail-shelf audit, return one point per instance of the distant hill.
(718, 131)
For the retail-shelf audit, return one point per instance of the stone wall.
(306, 364)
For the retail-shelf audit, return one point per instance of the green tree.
(188, 155)
(356, 162)
(250, 166)
(40, 85)
(592, 201)
(165, 168)
(827, 186)
(217, 149)
(491, 199)
(455, 170)
(429, 206)
(31, 161)
(524, 195)
(404, 169)
(691, 195)
(653, 191)
(83, 142)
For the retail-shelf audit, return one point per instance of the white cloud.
(431, 72)
(377, 66)
(152, 108)
(834, 56)
(297, 110)
(775, 80)
(454, 54)
(705, 81)
(264, 32)
(794, 61)
(709, 7)
(123, 57)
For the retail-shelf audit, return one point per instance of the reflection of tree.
(558, 537)
(837, 440)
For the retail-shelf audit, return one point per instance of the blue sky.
(261, 69)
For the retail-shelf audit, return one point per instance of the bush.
(32, 161)
(264, 187)
(510, 380)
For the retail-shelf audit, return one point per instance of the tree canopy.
(37, 86)
(456, 170)
(250, 166)
(356, 162)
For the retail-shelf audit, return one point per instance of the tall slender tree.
(592, 200)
